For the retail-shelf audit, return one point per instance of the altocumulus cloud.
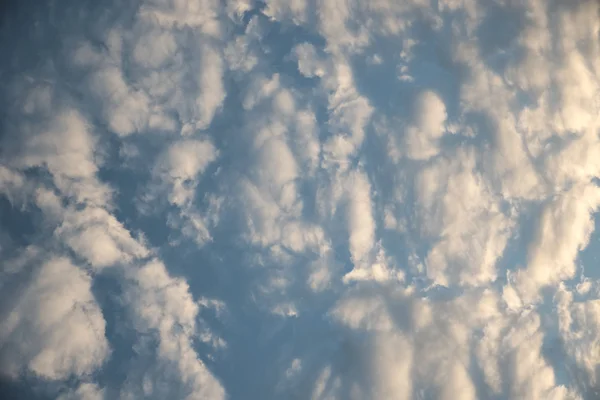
(333, 199)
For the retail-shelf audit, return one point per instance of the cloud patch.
(55, 328)
(328, 200)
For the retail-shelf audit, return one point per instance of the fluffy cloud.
(328, 200)
(459, 211)
(559, 237)
(578, 324)
(435, 347)
(184, 160)
(55, 328)
(85, 391)
(163, 305)
(99, 238)
(422, 137)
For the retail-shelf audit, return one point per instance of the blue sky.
(300, 199)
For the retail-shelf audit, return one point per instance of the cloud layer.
(300, 199)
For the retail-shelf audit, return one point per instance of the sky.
(300, 199)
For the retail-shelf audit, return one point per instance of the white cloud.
(373, 199)
(55, 328)
(392, 370)
(163, 304)
(309, 63)
(379, 269)
(333, 19)
(433, 342)
(236, 8)
(305, 141)
(210, 86)
(361, 227)
(98, 237)
(177, 174)
(295, 10)
(154, 48)
(579, 323)
(460, 213)
(175, 13)
(564, 229)
(575, 163)
(271, 198)
(74, 158)
(165, 76)
(63, 143)
(239, 55)
(11, 183)
(349, 111)
(532, 376)
(181, 164)
(422, 138)
(125, 110)
(85, 391)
